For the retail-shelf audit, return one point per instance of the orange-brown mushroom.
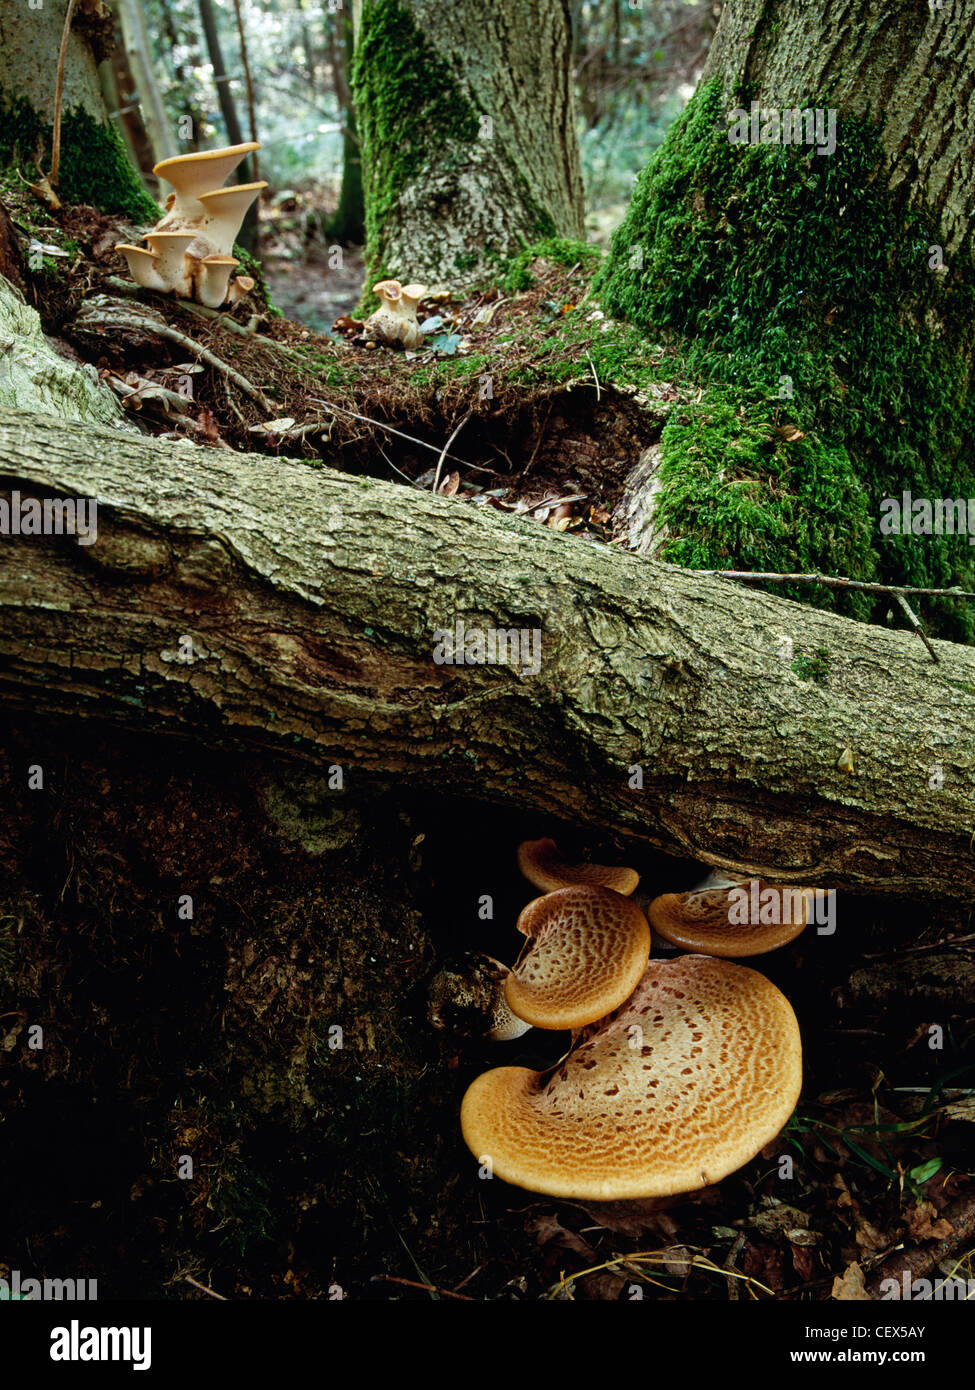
(732, 917)
(679, 1087)
(542, 865)
(586, 951)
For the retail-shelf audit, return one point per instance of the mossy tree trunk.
(347, 223)
(825, 290)
(466, 119)
(94, 165)
(268, 606)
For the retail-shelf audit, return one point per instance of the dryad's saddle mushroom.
(190, 248)
(586, 951)
(679, 1087)
(732, 917)
(542, 865)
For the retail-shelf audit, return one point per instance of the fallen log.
(261, 603)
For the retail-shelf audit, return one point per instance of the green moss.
(736, 494)
(800, 279)
(813, 668)
(94, 169)
(249, 266)
(516, 274)
(409, 105)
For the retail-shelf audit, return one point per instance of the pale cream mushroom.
(587, 949)
(542, 865)
(173, 266)
(732, 916)
(395, 320)
(192, 243)
(687, 1081)
(142, 265)
(193, 174)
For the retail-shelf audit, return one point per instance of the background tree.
(94, 167)
(466, 118)
(831, 295)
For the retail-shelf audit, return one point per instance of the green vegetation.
(799, 283)
(516, 274)
(95, 168)
(814, 668)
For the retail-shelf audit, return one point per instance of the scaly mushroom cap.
(542, 865)
(193, 174)
(686, 1082)
(587, 949)
(732, 919)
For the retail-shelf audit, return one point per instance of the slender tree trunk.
(94, 165)
(808, 230)
(157, 121)
(348, 223)
(466, 117)
(309, 607)
(247, 236)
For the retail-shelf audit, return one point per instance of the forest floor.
(514, 403)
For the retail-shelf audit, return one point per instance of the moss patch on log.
(801, 280)
(95, 168)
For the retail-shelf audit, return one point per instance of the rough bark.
(94, 166)
(466, 119)
(824, 289)
(312, 600)
(910, 69)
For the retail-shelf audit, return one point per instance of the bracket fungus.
(684, 1083)
(732, 917)
(586, 951)
(395, 320)
(190, 250)
(542, 865)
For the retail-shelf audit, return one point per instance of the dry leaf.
(850, 1288)
(922, 1227)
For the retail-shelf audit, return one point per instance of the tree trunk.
(347, 224)
(247, 236)
(824, 286)
(266, 605)
(466, 118)
(94, 165)
(150, 98)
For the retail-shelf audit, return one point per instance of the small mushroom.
(679, 1087)
(542, 865)
(587, 949)
(732, 917)
(173, 266)
(395, 320)
(142, 266)
(466, 998)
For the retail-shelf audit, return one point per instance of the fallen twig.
(150, 323)
(835, 582)
(477, 468)
(52, 177)
(443, 452)
(427, 1288)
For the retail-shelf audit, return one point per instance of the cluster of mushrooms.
(190, 251)
(679, 1071)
